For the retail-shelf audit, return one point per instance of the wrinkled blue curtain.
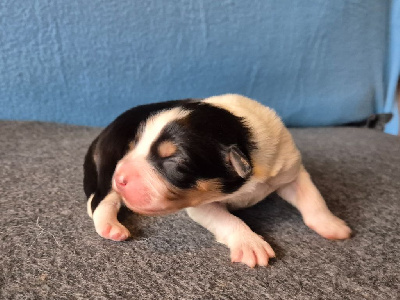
(317, 62)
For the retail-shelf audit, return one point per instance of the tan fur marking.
(260, 173)
(166, 149)
(209, 185)
(203, 192)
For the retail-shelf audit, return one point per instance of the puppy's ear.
(239, 162)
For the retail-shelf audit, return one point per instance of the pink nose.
(121, 181)
(126, 174)
(129, 184)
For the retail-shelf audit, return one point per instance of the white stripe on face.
(153, 128)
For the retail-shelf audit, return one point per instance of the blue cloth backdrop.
(315, 62)
(391, 104)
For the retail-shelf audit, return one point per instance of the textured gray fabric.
(49, 249)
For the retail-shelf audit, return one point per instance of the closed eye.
(166, 149)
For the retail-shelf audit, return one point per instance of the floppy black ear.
(239, 162)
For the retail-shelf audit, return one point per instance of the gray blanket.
(49, 249)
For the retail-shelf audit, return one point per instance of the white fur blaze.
(154, 126)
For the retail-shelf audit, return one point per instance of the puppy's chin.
(151, 210)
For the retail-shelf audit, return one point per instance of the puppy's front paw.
(329, 226)
(250, 249)
(112, 231)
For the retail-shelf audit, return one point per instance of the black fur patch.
(203, 140)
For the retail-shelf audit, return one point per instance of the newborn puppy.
(208, 156)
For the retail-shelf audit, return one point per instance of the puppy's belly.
(248, 195)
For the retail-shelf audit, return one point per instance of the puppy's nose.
(121, 180)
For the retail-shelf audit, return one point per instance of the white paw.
(329, 226)
(113, 231)
(249, 248)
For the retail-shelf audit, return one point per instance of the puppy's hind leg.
(105, 218)
(303, 194)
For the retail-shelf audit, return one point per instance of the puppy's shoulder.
(255, 114)
(275, 152)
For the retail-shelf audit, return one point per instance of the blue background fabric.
(83, 62)
(391, 104)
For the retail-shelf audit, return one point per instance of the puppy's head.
(183, 157)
